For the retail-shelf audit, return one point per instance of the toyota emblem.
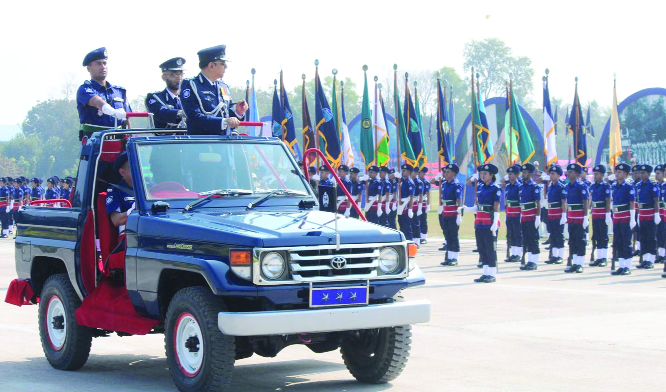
(338, 262)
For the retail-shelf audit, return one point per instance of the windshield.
(194, 170)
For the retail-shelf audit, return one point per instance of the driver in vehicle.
(120, 197)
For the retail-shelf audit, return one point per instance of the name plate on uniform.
(339, 296)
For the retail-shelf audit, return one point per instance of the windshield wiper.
(279, 192)
(211, 194)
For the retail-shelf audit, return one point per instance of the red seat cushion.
(111, 150)
(108, 236)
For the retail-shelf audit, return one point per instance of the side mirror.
(160, 207)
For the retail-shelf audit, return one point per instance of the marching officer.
(425, 205)
(165, 105)
(51, 192)
(66, 189)
(530, 216)
(17, 198)
(513, 227)
(372, 195)
(624, 218)
(487, 221)
(206, 99)
(661, 228)
(557, 214)
(577, 201)
(405, 212)
(4, 209)
(647, 193)
(37, 192)
(635, 181)
(417, 206)
(384, 206)
(344, 205)
(601, 217)
(449, 217)
(393, 199)
(356, 189)
(99, 102)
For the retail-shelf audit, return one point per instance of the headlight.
(389, 260)
(272, 266)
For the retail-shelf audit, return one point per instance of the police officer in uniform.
(514, 232)
(624, 218)
(326, 190)
(405, 211)
(37, 192)
(66, 189)
(206, 98)
(386, 189)
(4, 212)
(120, 197)
(487, 221)
(530, 216)
(635, 181)
(647, 193)
(577, 201)
(601, 216)
(425, 205)
(18, 197)
(99, 102)
(51, 192)
(557, 214)
(393, 199)
(165, 105)
(661, 228)
(373, 195)
(449, 217)
(344, 205)
(417, 206)
(356, 189)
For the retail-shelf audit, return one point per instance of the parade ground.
(542, 330)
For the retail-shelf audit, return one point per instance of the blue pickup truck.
(226, 253)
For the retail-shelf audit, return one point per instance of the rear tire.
(66, 344)
(377, 356)
(199, 356)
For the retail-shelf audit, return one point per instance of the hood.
(265, 229)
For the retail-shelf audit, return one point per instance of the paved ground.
(530, 331)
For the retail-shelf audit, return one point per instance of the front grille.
(312, 265)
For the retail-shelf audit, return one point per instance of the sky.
(44, 43)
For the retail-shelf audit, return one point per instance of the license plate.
(338, 296)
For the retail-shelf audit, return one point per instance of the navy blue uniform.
(374, 189)
(556, 230)
(51, 194)
(4, 215)
(206, 104)
(37, 193)
(407, 189)
(576, 193)
(424, 206)
(513, 228)
(486, 240)
(530, 194)
(623, 194)
(355, 190)
(166, 109)
(342, 198)
(599, 192)
(646, 192)
(451, 192)
(115, 96)
(393, 189)
(661, 228)
(118, 200)
(416, 220)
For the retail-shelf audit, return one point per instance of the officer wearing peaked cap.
(624, 218)
(514, 231)
(37, 192)
(648, 195)
(406, 201)
(449, 217)
(383, 207)
(557, 214)
(206, 99)
(577, 202)
(600, 194)
(100, 103)
(373, 195)
(425, 204)
(356, 189)
(165, 105)
(393, 199)
(530, 217)
(344, 205)
(4, 214)
(661, 227)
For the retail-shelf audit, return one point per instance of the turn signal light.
(240, 257)
(411, 250)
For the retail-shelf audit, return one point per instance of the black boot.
(480, 265)
(648, 265)
(626, 271)
(480, 279)
(601, 263)
(530, 266)
(618, 271)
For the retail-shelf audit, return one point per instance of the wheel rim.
(56, 323)
(367, 345)
(188, 345)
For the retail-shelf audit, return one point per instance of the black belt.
(621, 208)
(513, 203)
(574, 207)
(449, 202)
(599, 204)
(645, 206)
(528, 206)
(485, 208)
(555, 205)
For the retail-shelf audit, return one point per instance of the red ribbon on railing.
(251, 124)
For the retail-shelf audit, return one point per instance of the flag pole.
(545, 154)
(304, 104)
(316, 134)
(474, 140)
(576, 141)
(511, 160)
(254, 94)
(397, 126)
(375, 122)
(440, 129)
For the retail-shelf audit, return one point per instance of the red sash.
(621, 217)
(575, 216)
(555, 213)
(528, 215)
(483, 218)
(599, 213)
(646, 214)
(450, 211)
(512, 212)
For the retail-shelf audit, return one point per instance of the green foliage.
(643, 118)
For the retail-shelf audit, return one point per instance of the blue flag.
(452, 126)
(288, 123)
(254, 111)
(277, 116)
(414, 130)
(577, 128)
(442, 127)
(325, 127)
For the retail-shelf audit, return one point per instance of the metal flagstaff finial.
(247, 83)
(395, 67)
(342, 83)
(446, 82)
(303, 76)
(316, 63)
(406, 75)
(275, 82)
(335, 71)
(547, 71)
(477, 75)
(365, 68)
(511, 75)
(415, 83)
(379, 86)
(376, 78)
(253, 71)
(543, 78)
(576, 79)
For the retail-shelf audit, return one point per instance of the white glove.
(496, 221)
(117, 113)
(427, 209)
(440, 209)
(586, 222)
(394, 206)
(410, 213)
(7, 209)
(609, 220)
(388, 208)
(657, 218)
(315, 177)
(545, 177)
(473, 208)
(506, 178)
(347, 212)
(475, 177)
(537, 222)
(128, 212)
(632, 219)
(566, 231)
(418, 210)
(401, 208)
(380, 212)
(611, 177)
(458, 219)
(438, 176)
(563, 220)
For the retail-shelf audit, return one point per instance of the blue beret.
(513, 169)
(488, 167)
(575, 167)
(600, 168)
(354, 170)
(452, 167)
(407, 167)
(528, 167)
(214, 53)
(97, 54)
(174, 64)
(645, 168)
(624, 167)
(120, 161)
(374, 168)
(555, 168)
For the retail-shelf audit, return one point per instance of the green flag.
(406, 151)
(367, 140)
(525, 147)
(424, 157)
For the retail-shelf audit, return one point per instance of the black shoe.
(636, 253)
(516, 259)
(601, 263)
(489, 279)
(641, 264)
(529, 267)
(663, 275)
(443, 248)
(618, 271)
(556, 260)
(480, 279)
(475, 251)
(452, 263)
(3, 236)
(648, 265)
(423, 241)
(625, 271)
(547, 242)
(479, 265)
(577, 269)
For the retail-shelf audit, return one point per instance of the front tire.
(377, 356)
(199, 356)
(66, 344)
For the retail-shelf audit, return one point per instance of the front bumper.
(323, 320)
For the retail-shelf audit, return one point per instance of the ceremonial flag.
(555, 120)
(452, 126)
(277, 115)
(406, 151)
(413, 130)
(484, 138)
(614, 140)
(442, 127)
(380, 131)
(254, 112)
(288, 127)
(510, 134)
(577, 128)
(347, 153)
(367, 139)
(588, 123)
(480, 133)
(419, 121)
(381, 103)
(526, 149)
(309, 140)
(550, 147)
(335, 108)
(325, 128)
